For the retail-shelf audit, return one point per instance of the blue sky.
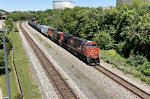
(25, 5)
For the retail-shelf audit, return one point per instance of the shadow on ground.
(2, 70)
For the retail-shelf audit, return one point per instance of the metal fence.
(17, 77)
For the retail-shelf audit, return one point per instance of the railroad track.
(142, 94)
(62, 89)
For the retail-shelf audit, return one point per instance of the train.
(83, 49)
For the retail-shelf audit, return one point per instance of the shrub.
(1, 58)
(112, 57)
(146, 72)
(135, 60)
(103, 40)
(144, 68)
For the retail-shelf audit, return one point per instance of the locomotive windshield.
(89, 45)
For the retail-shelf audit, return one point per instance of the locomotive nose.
(94, 53)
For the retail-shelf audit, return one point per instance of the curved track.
(62, 89)
(142, 94)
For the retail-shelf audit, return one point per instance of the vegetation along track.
(62, 89)
(124, 83)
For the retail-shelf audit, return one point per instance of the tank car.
(34, 25)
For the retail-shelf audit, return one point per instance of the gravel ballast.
(127, 77)
(86, 80)
(46, 89)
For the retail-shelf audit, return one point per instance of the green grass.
(141, 72)
(47, 45)
(29, 87)
(13, 84)
(38, 37)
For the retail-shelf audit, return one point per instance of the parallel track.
(62, 89)
(142, 94)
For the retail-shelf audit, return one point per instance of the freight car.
(83, 49)
(44, 29)
(35, 25)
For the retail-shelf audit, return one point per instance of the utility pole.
(6, 64)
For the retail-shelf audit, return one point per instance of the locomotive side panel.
(50, 31)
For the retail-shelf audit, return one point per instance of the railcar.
(34, 25)
(44, 29)
(38, 28)
(31, 23)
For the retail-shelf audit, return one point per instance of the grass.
(29, 87)
(13, 84)
(47, 45)
(38, 37)
(141, 72)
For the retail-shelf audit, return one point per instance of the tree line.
(125, 29)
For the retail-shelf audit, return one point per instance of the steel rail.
(134, 89)
(62, 88)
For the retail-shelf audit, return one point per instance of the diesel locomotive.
(85, 50)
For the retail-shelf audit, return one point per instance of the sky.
(34, 5)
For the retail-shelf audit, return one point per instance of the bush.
(103, 40)
(144, 68)
(135, 65)
(8, 48)
(15, 29)
(112, 57)
(1, 58)
(146, 72)
(135, 60)
(9, 23)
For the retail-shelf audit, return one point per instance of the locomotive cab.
(91, 50)
(84, 49)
